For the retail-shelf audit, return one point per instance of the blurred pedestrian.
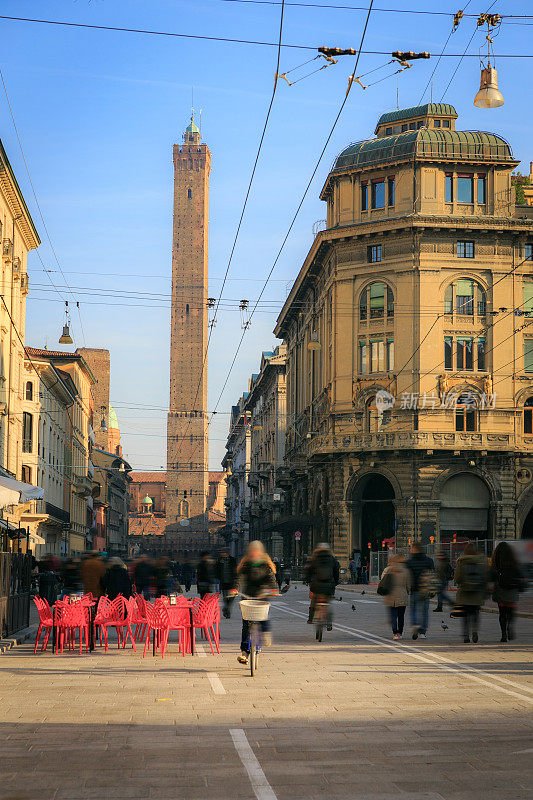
(322, 573)
(396, 583)
(508, 581)
(444, 572)
(116, 580)
(143, 576)
(354, 565)
(226, 572)
(91, 571)
(187, 575)
(162, 577)
(277, 565)
(205, 574)
(419, 566)
(70, 576)
(471, 577)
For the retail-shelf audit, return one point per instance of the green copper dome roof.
(426, 143)
(113, 419)
(147, 501)
(192, 127)
(427, 110)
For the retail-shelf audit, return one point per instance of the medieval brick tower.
(187, 430)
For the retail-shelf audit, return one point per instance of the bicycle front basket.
(254, 610)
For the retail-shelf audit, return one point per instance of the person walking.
(444, 573)
(187, 575)
(256, 578)
(116, 580)
(508, 582)
(205, 574)
(322, 573)
(396, 582)
(354, 565)
(226, 572)
(419, 565)
(277, 564)
(472, 578)
(92, 570)
(143, 576)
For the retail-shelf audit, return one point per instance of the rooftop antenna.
(200, 123)
(431, 89)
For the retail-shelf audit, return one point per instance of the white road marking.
(262, 789)
(520, 752)
(216, 683)
(200, 650)
(456, 667)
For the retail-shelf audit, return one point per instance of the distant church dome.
(147, 501)
(192, 127)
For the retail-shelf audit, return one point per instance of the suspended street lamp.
(489, 96)
(65, 337)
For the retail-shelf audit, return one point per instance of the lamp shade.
(489, 96)
(65, 337)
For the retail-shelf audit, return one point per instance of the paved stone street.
(356, 716)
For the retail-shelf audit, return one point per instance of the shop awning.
(13, 492)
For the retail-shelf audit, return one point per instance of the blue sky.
(98, 113)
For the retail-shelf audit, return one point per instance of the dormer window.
(388, 131)
(436, 123)
(446, 123)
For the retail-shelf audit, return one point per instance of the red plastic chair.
(110, 613)
(140, 619)
(158, 622)
(46, 622)
(180, 620)
(130, 608)
(69, 619)
(204, 619)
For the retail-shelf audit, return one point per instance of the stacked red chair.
(158, 624)
(46, 622)
(70, 618)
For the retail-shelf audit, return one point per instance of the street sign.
(297, 535)
(277, 497)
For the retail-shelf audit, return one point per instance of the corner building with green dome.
(413, 417)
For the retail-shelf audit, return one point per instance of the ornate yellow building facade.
(409, 333)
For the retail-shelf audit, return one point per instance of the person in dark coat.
(116, 580)
(205, 574)
(444, 572)
(256, 578)
(322, 573)
(508, 581)
(471, 577)
(226, 572)
(187, 575)
(418, 564)
(143, 576)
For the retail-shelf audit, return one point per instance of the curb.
(523, 614)
(18, 638)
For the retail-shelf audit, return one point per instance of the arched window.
(29, 390)
(466, 413)
(376, 302)
(189, 193)
(528, 416)
(374, 416)
(184, 509)
(466, 297)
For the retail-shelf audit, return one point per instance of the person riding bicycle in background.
(322, 574)
(256, 578)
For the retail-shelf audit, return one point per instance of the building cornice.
(17, 205)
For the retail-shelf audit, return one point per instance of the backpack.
(509, 580)
(385, 585)
(324, 571)
(428, 584)
(474, 577)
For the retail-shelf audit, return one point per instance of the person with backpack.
(322, 573)
(444, 572)
(472, 578)
(508, 582)
(394, 588)
(422, 572)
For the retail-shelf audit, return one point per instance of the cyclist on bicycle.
(256, 578)
(322, 574)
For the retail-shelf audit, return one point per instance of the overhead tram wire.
(363, 8)
(243, 210)
(300, 204)
(461, 59)
(38, 205)
(228, 40)
(452, 31)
